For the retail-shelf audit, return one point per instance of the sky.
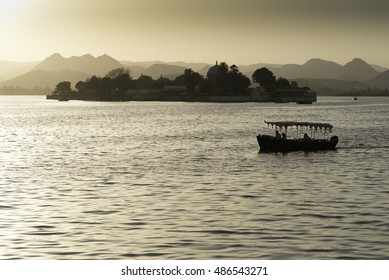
(235, 31)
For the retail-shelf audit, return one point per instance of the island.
(223, 83)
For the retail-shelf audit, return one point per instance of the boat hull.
(271, 144)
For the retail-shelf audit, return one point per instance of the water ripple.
(154, 180)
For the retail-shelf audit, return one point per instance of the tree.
(92, 83)
(192, 79)
(206, 86)
(234, 69)
(189, 79)
(122, 82)
(282, 83)
(106, 85)
(145, 82)
(222, 83)
(80, 86)
(63, 87)
(121, 79)
(236, 81)
(114, 73)
(223, 68)
(179, 80)
(294, 85)
(265, 78)
(162, 82)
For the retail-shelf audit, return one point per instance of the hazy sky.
(236, 31)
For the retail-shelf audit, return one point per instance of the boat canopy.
(325, 126)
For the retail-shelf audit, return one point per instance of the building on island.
(300, 96)
(213, 73)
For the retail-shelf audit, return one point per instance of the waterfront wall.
(254, 95)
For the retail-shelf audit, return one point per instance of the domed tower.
(213, 73)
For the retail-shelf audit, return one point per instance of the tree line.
(117, 82)
(266, 79)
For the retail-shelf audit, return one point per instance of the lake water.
(154, 180)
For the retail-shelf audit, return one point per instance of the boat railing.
(302, 127)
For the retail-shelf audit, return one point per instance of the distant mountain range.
(325, 77)
(171, 70)
(88, 64)
(44, 78)
(355, 70)
(10, 69)
(381, 80)
(56, 68)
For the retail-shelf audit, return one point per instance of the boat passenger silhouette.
(306, 137)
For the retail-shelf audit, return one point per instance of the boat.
(278, 143)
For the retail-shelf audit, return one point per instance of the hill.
(170, 71)
(248, 70)
(10, 69)
(143, 64)
(56, 68)
(195, 66)
(314, 68)
(155, 68)
(89, 64)
(358, 70)
(136, 70)
(167, 69)
(381, 80)
(379, 68)
(333, 86)
(355, 70)
(43, 78)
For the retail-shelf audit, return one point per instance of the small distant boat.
(355, 98)
(280, 143)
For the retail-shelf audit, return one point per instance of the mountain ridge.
(86, 63)
(381, 80)
(57, 68)
(315, 68)
(43, 78)
(359, 69)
